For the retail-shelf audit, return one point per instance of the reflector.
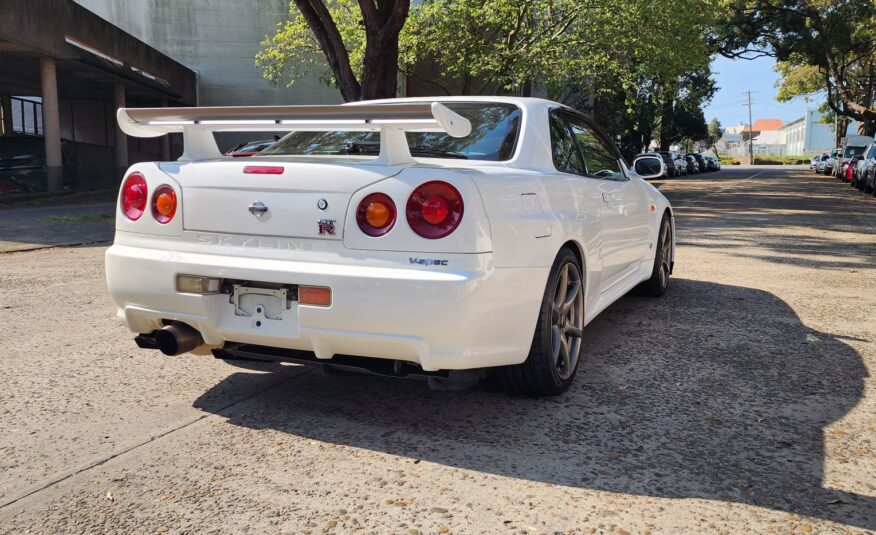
(315, 295)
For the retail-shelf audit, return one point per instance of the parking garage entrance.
(63, 73)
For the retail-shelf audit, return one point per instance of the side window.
(599, 160)
(565, 152)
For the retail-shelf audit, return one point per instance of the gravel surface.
(742, 401)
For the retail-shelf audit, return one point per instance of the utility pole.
(750, 140)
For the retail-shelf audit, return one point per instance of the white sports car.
(440, 238)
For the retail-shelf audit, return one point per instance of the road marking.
(94, 464)
(724, 188)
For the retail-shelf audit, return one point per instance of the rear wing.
(198, 124)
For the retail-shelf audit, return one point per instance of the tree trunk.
(667, 120)
(383, 24)
(842, 125)
(330, 42)
(380, 68)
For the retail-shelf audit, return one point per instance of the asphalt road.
(742, 401)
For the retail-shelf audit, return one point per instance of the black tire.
(556, 346)
(659, 281)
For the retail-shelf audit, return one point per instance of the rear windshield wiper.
(424, 150)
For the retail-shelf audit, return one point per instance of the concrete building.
(67, 65)
(809, 136)
(218, 39)
(63, 73)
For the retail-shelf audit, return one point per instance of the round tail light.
(434, 209)
(163, 204)
(376, 214)
(134, 196)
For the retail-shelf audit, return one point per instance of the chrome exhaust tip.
(177, 338)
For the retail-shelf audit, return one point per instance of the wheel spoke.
(574, 332)
(563, 363)
(562, 285)
(556, 336)
(571, 295)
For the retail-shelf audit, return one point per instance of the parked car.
(250, 148)
(701, 161)
(671, 171)
(854, 146)
(680, 163)
(453, 252)
(712, 163)
(693, 165)
(23, 164)
(848, 168)
(813, 164)
(868, 174)
(830, 162)
(859, 172)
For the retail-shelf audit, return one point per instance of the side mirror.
(648, 167)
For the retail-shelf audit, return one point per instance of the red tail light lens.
(376, 214)
(163, 204)
(134, 196)
(434, 209)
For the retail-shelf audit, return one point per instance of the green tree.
(579, 51)
(336, 42)
(826, 43)
(714, 133)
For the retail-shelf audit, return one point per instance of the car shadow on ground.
(726, 397)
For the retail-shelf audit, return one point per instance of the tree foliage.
(334, 42)
(643, 64)
(822, 45)
(714, 132)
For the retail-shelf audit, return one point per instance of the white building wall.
(809, 136)
(218, 39)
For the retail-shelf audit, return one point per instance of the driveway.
(742, 401)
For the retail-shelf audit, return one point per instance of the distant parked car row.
(854, 163)
(678, 164)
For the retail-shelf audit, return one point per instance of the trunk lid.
(307, 200)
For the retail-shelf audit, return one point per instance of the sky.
(734, 78)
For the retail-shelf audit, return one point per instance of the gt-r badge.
(326, 226)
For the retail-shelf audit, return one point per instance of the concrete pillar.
(121, 138)
(165, 139)
(51, 124)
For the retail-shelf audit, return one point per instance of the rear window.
(494, 131)
(853, 151)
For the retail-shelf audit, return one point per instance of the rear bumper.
(467, 314)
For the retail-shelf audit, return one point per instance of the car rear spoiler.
(198, 124)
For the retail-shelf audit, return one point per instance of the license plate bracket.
(252, 301)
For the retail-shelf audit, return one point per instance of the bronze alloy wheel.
(567, 320)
